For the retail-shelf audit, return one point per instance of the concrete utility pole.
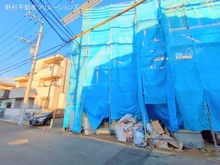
(28, 88)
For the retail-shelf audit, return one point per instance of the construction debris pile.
(161, 138)
(128, 129)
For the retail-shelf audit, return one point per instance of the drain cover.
(17, 142)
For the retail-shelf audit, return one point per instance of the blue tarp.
(158, 61)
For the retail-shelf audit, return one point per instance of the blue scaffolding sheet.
(157, 61)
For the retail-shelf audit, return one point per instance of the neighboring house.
(48, 87)
(5, 89)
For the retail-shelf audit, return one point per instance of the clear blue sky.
(13, 52)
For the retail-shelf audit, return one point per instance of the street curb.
(103, 140)
(13, 122)
(154, 150)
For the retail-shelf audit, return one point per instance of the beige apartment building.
(5, 89)
(48, 89)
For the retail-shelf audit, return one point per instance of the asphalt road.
(34, 146)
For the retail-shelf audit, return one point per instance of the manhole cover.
(17, 142)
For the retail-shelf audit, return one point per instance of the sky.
(16, 29)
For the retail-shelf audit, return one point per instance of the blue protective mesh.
(158, 61)
(191, 29)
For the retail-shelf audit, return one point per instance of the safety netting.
(157, 61)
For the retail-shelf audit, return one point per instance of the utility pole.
(28, 88)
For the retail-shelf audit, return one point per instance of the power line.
(15, 32)
(16, 67)
(89, 30)
(17, 24)
(12, 55)
(12, 27)
(17, 57)
(43, 14)
(28, 61)
(68, 29)
(15, 47)
(56, 19)
(16, 38)
(17, 29)
(62, 45)
(74, 51)
(54, 39)
(8, 45)
(47, 21)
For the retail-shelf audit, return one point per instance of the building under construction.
(159, 60)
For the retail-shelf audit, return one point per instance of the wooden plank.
(157, 127)
(167, 132)
(173, 142)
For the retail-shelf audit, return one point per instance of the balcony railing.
(53, 72)
(20, 92)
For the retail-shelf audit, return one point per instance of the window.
(56, 82)
(44, 103)
(30, 103)
(6, 94)
(51, 68)
(18, 103)
(8, 105)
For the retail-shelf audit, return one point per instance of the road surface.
(34, 146)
